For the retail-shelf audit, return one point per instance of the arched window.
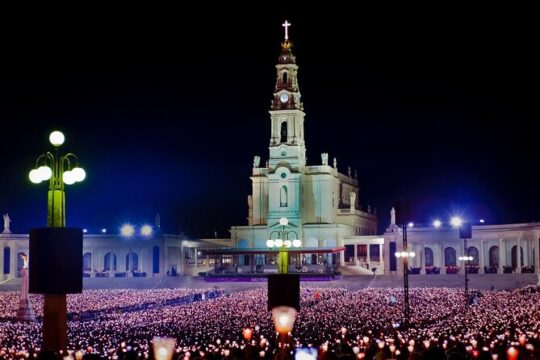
(87, 261)
(7, 260)
(283, 196)
(514, 257)
(428, 257)
(284, 132)
(494, 256)
(473, 251)
(449, 257)
(285, 78)
(135, 261)
(155, 259)
(109, 263)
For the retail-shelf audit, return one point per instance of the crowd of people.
(99, 300)
(336, 322)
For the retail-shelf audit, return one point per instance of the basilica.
(312, 209)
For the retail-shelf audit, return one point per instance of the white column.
(536, 259)
(502, 257)
(2, 261)
(356, 262)
(13, 262)
(422, 256)
(481, 260)
(441, 258)
(381, 259)
(518, 256)
(165, 258)
(368, 258)
(182, 260)
(527, 253)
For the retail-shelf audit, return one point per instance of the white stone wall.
(484, 237)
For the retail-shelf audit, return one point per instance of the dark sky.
(167, 107)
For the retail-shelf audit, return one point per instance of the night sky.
(167, 107)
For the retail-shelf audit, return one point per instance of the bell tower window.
(283, 132)
(284, 78)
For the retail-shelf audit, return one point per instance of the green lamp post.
(58, 170)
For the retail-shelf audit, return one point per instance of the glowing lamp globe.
(127, 230)
(397, 254)
(284, 317)
(437, 223)
(287, 243)
(78, 173)
(456, 221)
(297, 243)
(270, 243)
(44, 172)
(146, 230)
(34, 176)
(283, 221)
(57, 138)
(68, 177)
(278, 242)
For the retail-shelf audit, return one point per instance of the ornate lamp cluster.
(283, 243)
(405, 254)
(51, 166)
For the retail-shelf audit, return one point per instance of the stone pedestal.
(25, 311)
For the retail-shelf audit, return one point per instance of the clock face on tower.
(284, 98)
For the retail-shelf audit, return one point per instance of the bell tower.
(287, 145)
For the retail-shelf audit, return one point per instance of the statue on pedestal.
(393, 216)
(256, 161)
(352, 200)
(25, 311)
(7, 220)
(250, 202)
(324, 158)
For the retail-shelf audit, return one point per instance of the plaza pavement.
(477, 281)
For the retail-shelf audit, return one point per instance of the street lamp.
(465, 232)
(58, 170)
(405, 255)
(283, 243)
(128, 231)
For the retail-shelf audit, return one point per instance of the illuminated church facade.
(320, 203)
